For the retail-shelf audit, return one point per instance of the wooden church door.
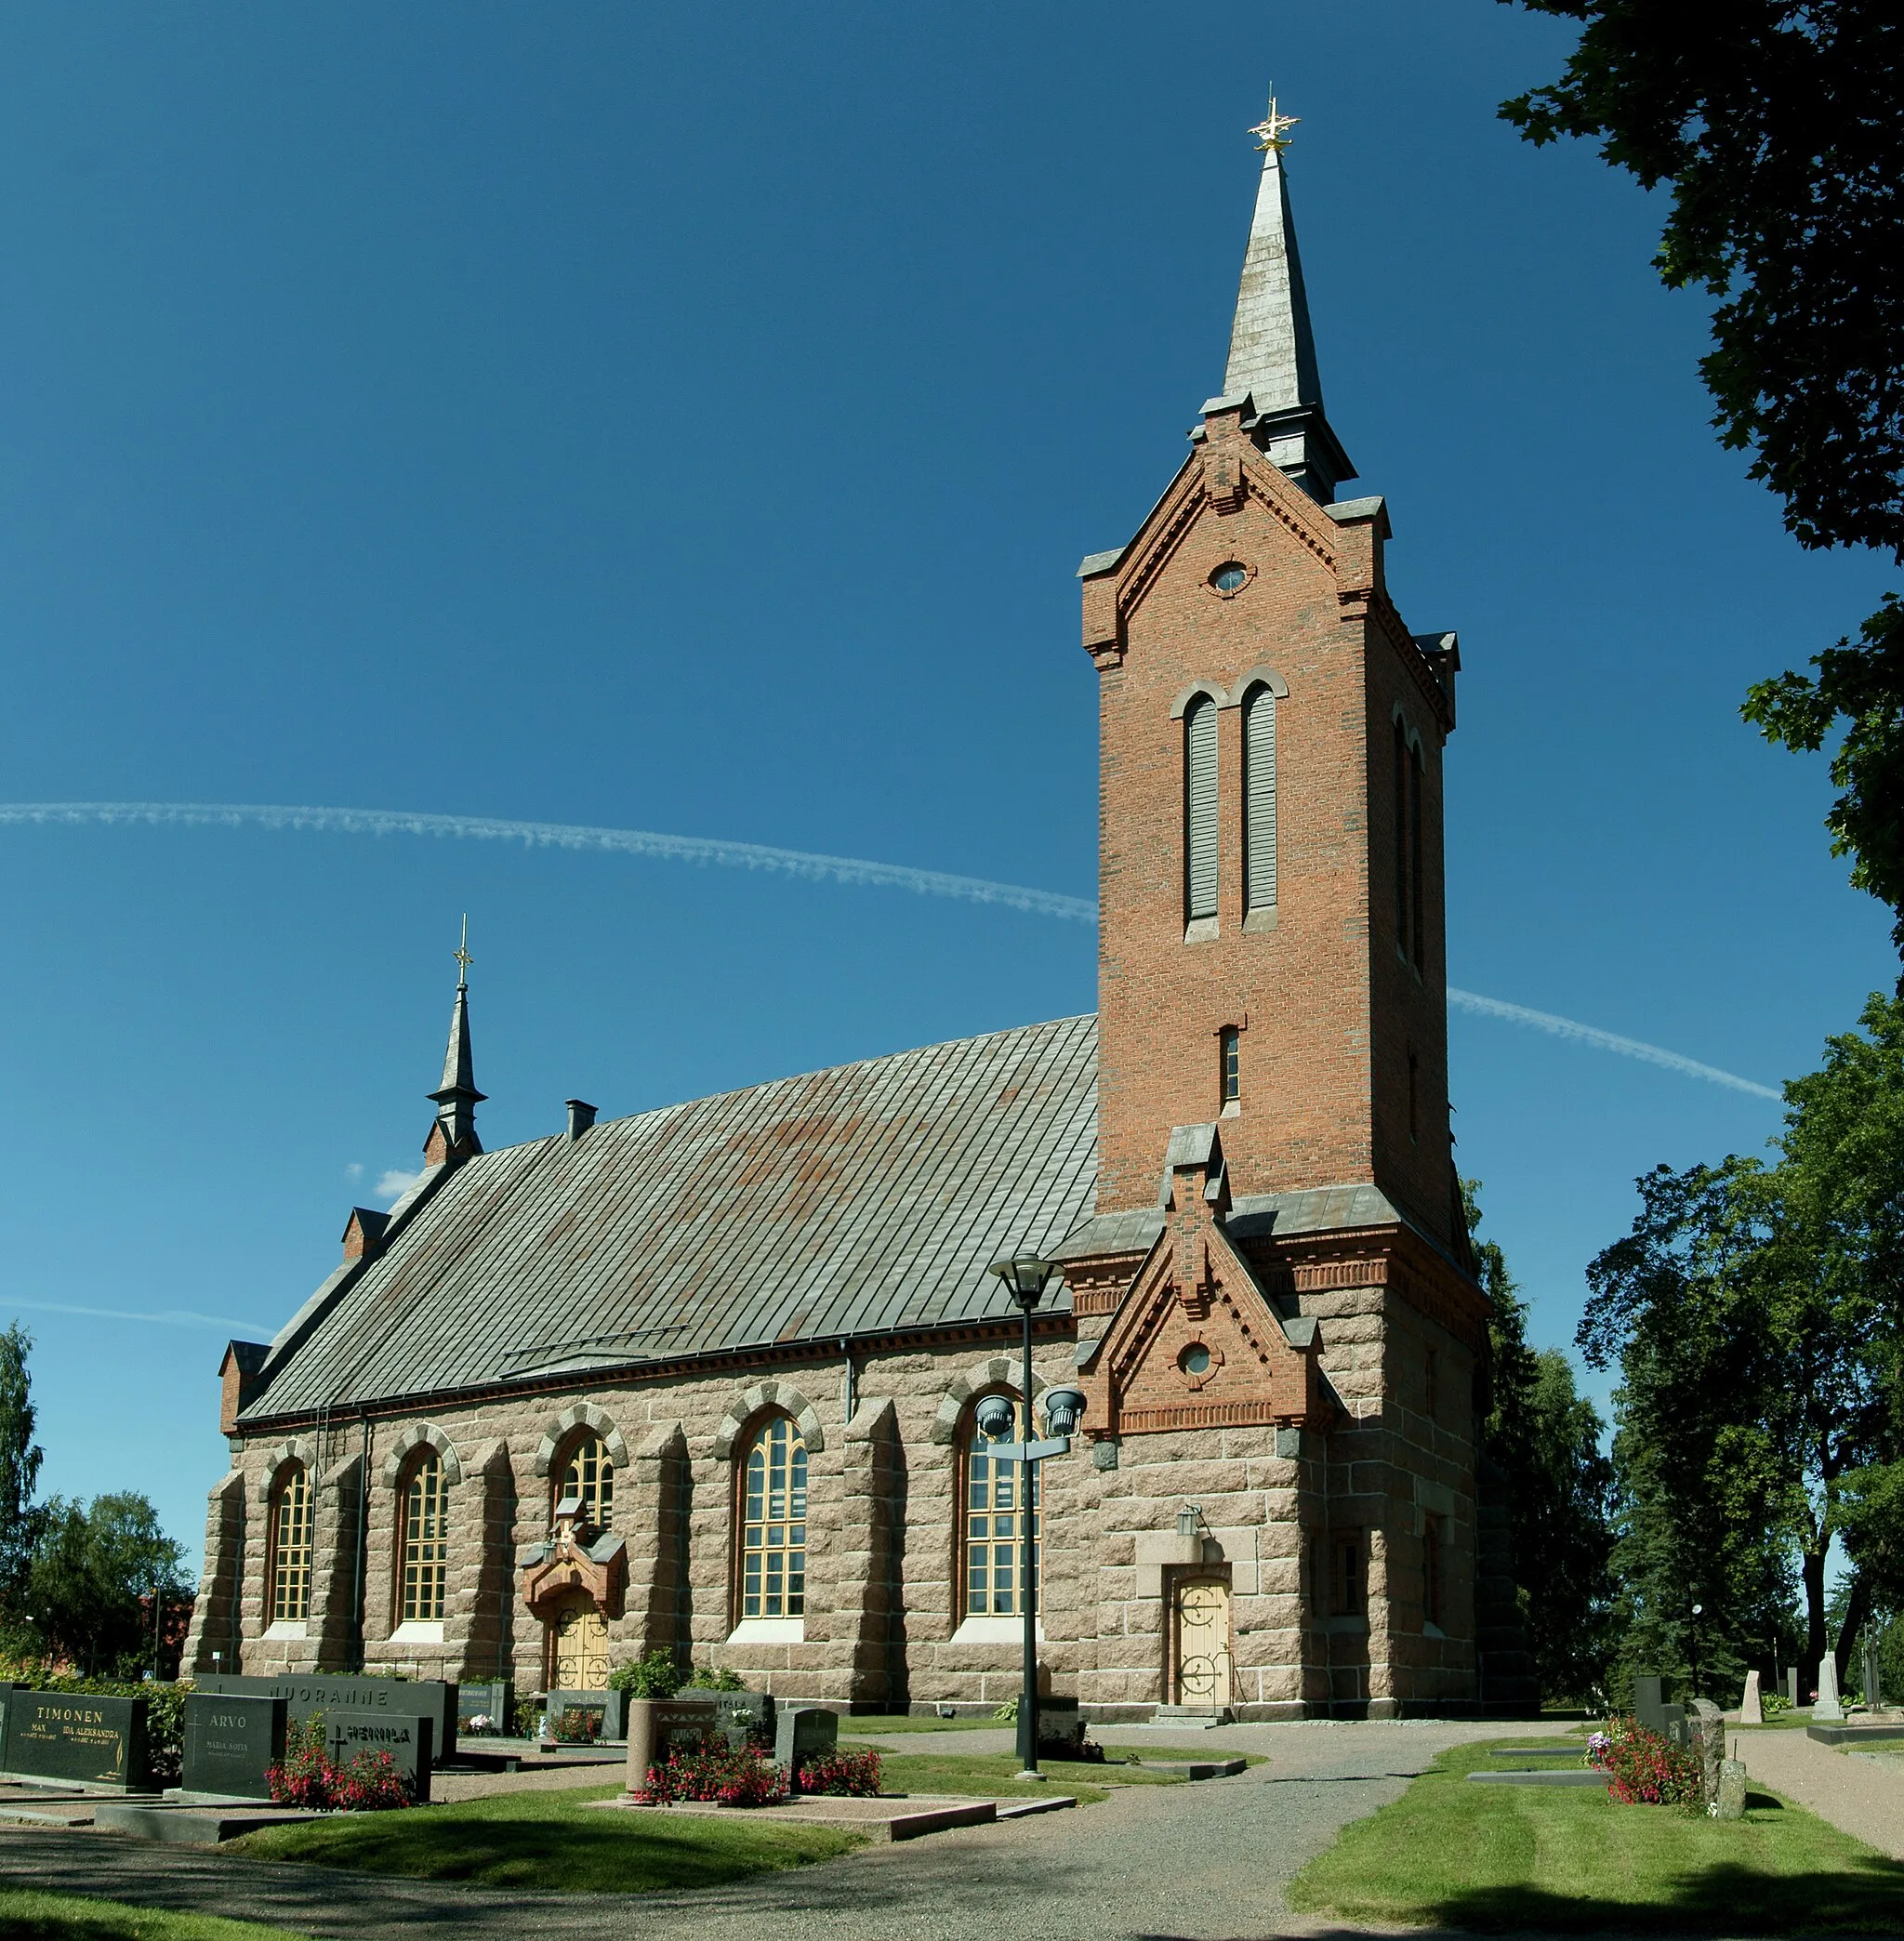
(1200, 1641)
(578, 1647)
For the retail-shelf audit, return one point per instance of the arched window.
(774, 1522)
(1259, 800)
(587, 1473)
(1199, 809)
(1431, 1571)
(994, 1537)
(425, 1530)
(290, 1534)
(1409, 902)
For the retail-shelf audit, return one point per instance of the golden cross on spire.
(462, 954)
(1273, 128)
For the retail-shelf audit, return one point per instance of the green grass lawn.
(996, 1774)
(1449, 1853)
(552, 1839)
(29, 1916)
(901, 1721)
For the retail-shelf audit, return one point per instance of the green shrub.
(1773, 1703)
(705, 1678)
(659, 1675)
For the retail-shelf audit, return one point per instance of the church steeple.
(1272, 345)
(453, 1135)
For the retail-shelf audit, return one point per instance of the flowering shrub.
(1772, 1703)
(709, 1768)
(312, 1779)
(853, 1773)
(578, 1725)
(1647, 1770)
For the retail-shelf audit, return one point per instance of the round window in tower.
(1230, 578)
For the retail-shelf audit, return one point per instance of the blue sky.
(691, 420)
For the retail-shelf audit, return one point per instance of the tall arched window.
(994, 1535)
(1199, 809)
(425, 1526)
(587, 1473)
(1410, 907)
(1259, 800)
(290, 1534)
(774, 1522)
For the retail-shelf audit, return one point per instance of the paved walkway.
(1200, 1863)
(1863, 1796)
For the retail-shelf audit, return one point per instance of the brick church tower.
(1270, 804)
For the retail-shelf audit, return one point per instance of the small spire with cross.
(1273, 130)
(462, 954)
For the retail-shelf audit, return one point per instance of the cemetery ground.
(1454, 1855)
(28, 1916)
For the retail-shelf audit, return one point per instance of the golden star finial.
(462, 954)
(1273, 129)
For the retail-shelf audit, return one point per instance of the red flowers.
(1647, 1770)
(852, 1773)
(310, 1779)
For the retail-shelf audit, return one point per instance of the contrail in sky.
(754, 855)
(166, 1317)
(1607, 1042)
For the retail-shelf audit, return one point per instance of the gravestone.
(1751, 1708)
(348, 1733)
(801, 1733)
(308, 1692)
(1652, 1711)
(229, 1741)
(610, 1705)
(1731, 1805)
(1709, 1741)
(1873, 1691)
(1825, 1704)
(494, 1702)
(653, 1725)
(745, 1716)
(1792, 1684)
(77, 1736)
(1060, 1725)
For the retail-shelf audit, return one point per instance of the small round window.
(1195, 1359)
(1230, 578)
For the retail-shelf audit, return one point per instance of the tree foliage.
(19, 1463)
(1754, 1314)
(94, 1577)
(1545, 1436)
(1778, 124)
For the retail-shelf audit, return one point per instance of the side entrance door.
(577, 1646)
(1200, 1641)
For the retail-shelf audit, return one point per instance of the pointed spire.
(1272, 346)
(453, 1135)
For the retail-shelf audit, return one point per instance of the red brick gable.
(1196, 1343)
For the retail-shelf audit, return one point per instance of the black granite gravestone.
(230, 1740)
(612, 1708)
(348, 1733)
(745, 1716)
(77, 1736)
(496, 1702)
(327, 1691)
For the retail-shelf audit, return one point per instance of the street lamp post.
(1025, 1277)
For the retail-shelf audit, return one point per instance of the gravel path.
(1207, 1861)
(1865, 1797)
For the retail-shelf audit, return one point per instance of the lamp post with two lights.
(1025, 1277)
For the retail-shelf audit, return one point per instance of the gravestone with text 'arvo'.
(329, 1691)
(232, 1740)
(79, 1738)
(349, 1735)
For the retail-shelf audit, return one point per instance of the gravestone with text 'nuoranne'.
(80, 1737)
(232, 1740)
(349, 1735)
(308, 1692)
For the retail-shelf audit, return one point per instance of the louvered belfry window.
(425, 1540)
(1259, 800)
(773, 1553)
(1199, 809)
(291, 1548)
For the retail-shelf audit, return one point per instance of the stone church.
(706, 1379)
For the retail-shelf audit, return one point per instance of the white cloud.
(354, 1171)
(395, 1183)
